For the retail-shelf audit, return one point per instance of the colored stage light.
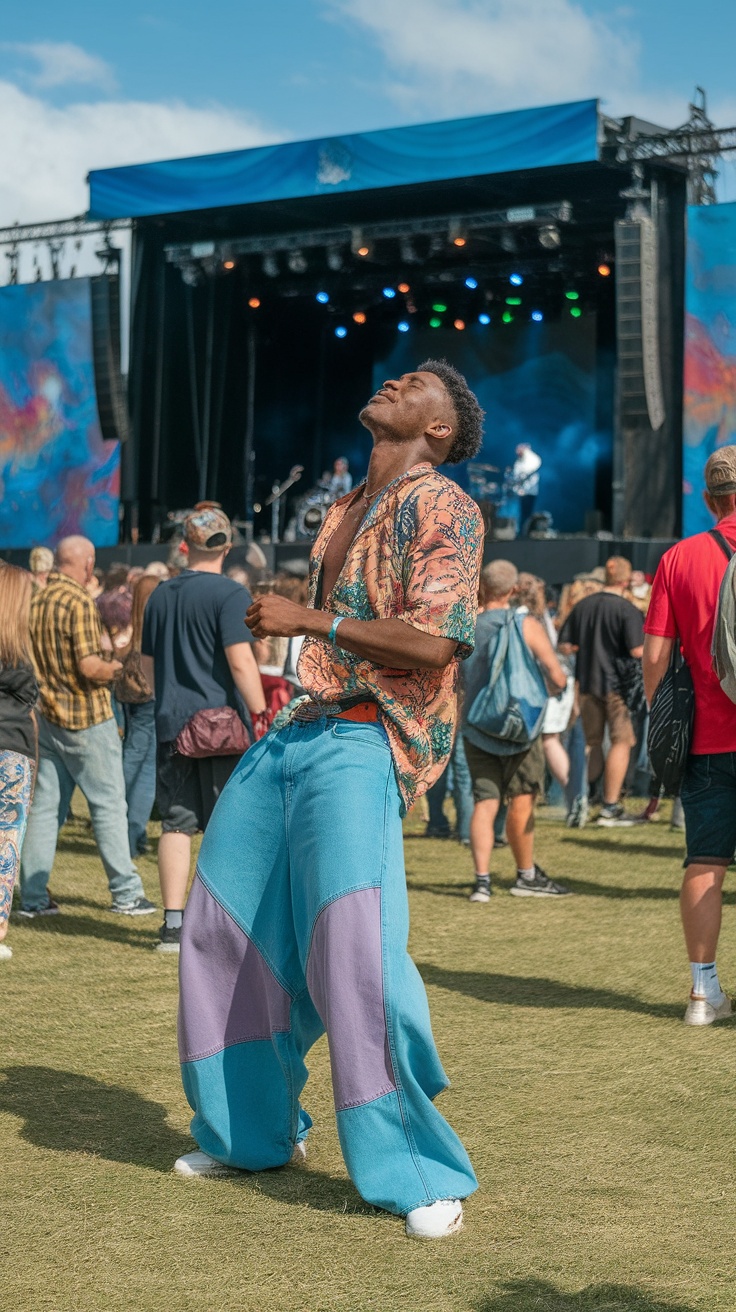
(513, 300)
(229, 264)
(507, 316)
(459, 241)
(537, 316)
(254, 302)
(484, 319)
(364, 250)
(359, 317)
(323, 297)
(516, 280)
(459, 324)
(403, 327)
(472, 283)
(341, 332)
(435, 323)
(573, 296)
(389, 293)
(439, 309)
(404, 288)
(604, 270)
(575, 311)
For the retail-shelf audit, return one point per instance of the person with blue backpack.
(507, 683)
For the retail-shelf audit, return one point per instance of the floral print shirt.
(416, 557)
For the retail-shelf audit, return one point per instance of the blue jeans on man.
(90, 759)
(139, 771)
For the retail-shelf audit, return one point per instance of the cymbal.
(487, 469)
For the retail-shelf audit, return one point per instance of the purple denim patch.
(227, 992)
(345, 979)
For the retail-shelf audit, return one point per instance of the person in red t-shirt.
(683, 608)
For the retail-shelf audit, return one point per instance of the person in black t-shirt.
(196, 653)
(601, 630)
(18, 694)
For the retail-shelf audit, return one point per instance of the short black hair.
(469, 414)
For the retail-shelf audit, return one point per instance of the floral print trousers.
(16, 777)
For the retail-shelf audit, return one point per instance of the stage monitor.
(57, 475)
(709, 418)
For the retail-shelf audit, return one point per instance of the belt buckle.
(309, 712)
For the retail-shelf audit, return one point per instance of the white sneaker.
(442, 1218)
(5, 952)
(702, 1012)
(199, 1163)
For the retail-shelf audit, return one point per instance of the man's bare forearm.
(393, 643)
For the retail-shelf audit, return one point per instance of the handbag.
(213, 731)
(671, 725)
(129, 684)
(630, 684)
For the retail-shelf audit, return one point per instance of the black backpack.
(671, 714)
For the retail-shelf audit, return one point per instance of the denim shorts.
(709, 800)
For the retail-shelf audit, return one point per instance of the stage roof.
(429, 152)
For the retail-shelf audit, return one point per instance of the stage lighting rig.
(297, 261)
(550, 237)
(334, 258)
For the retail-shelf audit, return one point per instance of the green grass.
(601, 1129)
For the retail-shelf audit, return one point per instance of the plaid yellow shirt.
(65, 627)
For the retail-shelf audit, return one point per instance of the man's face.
(405, 408)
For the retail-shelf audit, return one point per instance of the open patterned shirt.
(416, 557)
(65, 627)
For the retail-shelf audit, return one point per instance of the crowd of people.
(294, 722)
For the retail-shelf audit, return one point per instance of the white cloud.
(464, 56)
(60, 64)
(46, 154)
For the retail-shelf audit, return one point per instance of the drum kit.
(495, 497)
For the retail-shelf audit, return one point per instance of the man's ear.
(439, 430)
(709, 502)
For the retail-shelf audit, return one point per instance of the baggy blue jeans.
(139, 770)
(297, 924)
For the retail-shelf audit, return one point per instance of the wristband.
(333, 628)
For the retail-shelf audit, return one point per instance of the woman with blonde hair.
(139, 742)
(18, 735)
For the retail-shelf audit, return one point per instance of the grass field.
(601, 1129)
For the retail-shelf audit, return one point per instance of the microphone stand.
(274, 501)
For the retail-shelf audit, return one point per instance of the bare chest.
(339, 545)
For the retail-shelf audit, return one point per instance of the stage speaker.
(112, 401)
(640, 395)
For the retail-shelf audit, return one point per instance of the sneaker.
(540, 886)
(578, 815)
(140, 907)
(6, 952)
(199, 1163)
(444, 832)
(169, 939)
(702, 1012)
(438, 1219)
(51, 909)
(299, 1154)
(482, 891)
(615, 817)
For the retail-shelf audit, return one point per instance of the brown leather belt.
(361, 712)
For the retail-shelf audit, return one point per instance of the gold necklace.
(373, 495)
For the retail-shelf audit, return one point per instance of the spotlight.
(472, 283)
(439, 308)
(572, 296)
(271, 266)
(403, 327)
(229, 264)
(190, 275)
(404, 288)
(537, 316)
(485, 319)
(516, 280)
(604, 270)
(550, 237)
(459, 324)
(408, 251)
(323, 297)
(457, 233)
(575, 311)
(358, 245)
(435, 323)
(297, 262)
(507, 316)
(513, 300)
(334, 258)
(359, 317)
(254, 302)
(341, 332)
(508, 242)
(389, 293)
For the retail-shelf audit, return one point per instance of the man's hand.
(271, 616)
(96, 670)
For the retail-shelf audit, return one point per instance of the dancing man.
(297, 922)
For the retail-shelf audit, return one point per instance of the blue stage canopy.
(429, 152)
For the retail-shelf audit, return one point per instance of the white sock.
(528, 875)
(705, 981)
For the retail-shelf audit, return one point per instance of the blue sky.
(85, 85)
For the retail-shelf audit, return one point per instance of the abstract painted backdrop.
(57, 475)
(709, 419)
